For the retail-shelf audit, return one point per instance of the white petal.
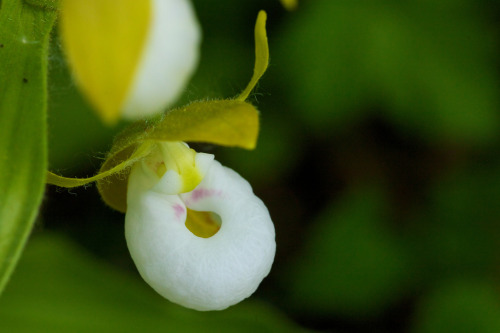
(168, 61)
(202, 273)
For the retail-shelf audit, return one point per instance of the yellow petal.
(103, 40)
(261, 54)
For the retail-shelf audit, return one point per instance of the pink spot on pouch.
(178, 210)
(201, 193)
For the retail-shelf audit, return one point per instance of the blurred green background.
(378, 159)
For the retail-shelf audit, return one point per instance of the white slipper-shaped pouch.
(202, 273)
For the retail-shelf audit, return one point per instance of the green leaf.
(73, 292)
(24, 34)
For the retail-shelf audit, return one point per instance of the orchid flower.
(196, 231)
(132, 59)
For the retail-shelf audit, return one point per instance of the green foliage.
(24, 34)
(426, 65)
(351, 265)
(457, 234)
(60, 288)
(460, 306)
(319, 59)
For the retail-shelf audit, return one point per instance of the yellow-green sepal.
(261, 55)
(229, 123)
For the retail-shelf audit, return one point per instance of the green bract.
(229, 122)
